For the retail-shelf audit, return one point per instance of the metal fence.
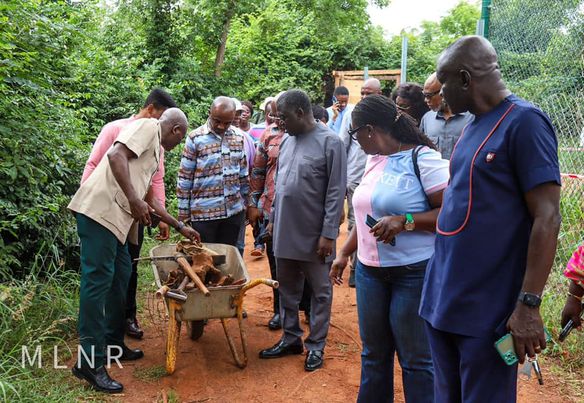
(540, 45)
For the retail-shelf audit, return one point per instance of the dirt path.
(206, 371)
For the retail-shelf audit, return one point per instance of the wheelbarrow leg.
(240, 363)
(238, 304)
(173, 336)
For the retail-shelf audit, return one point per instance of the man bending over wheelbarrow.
(107, 208)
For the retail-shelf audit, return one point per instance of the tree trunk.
(221, 49)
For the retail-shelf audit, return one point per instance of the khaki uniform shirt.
(101, 198)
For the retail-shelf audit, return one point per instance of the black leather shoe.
(281, 349)
(275, 323)
(133, 329)
(352, 278)
(129, 354)
(314, 360)
(98, 378)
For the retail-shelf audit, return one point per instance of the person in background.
(409, 98)
(246, 114)
(356, 159)
(257, 130)
(575, 272)
(393, 251)
(156, 103)
(439, 123)
(496, 231)
(212, 184)
(308, 203)
(320, 114)
(339, 108)
(250, 151)
(106, 206)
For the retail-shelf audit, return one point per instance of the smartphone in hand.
(370, 221)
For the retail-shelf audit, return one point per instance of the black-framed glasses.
(429, 95)
(353, 132)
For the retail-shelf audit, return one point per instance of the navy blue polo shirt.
(475, 276)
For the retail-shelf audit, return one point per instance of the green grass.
(150, 374)
(42, 310)
(566, 358)
(39, 310)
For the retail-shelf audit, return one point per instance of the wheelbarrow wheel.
(196, 329)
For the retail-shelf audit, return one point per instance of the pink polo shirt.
(108, 135)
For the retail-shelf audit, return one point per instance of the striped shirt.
(213, 176)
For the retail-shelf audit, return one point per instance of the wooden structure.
(353, 80)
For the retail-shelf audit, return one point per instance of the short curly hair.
(249, 105)
(414, 93)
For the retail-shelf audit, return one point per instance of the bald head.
(221, 115)
(431, 92)
(223, 104)
(173, 127)
(174, 116)
(474, 54)
(371, 86)
(431, 80)
(470, 76)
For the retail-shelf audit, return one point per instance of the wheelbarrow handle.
(258, 281)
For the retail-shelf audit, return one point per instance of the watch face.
(409, 226)
(530, 300)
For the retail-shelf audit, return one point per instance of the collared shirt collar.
(440, 114)
(207, 130)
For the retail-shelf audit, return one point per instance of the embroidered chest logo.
(490, 157)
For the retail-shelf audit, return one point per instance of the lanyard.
(459, 229)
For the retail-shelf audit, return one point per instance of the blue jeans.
(387, 303)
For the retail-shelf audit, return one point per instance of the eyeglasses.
(402, 107)
(278, 119)
(430, 94)
(353, 132)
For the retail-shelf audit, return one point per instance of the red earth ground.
(205, 369)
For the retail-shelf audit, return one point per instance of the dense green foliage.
(66, 68)
(69, 66)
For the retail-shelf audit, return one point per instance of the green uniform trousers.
(105, 272)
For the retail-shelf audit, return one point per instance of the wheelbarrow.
(222, 302)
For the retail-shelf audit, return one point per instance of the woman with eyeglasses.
(409, 98)
(395, 216)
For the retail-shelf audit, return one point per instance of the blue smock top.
(475, 276)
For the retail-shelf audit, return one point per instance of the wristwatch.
(531, 300)
(409, 225)
(180, 226)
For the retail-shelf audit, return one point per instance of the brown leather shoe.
(133, 329)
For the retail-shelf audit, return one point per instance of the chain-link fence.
(540, 47)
